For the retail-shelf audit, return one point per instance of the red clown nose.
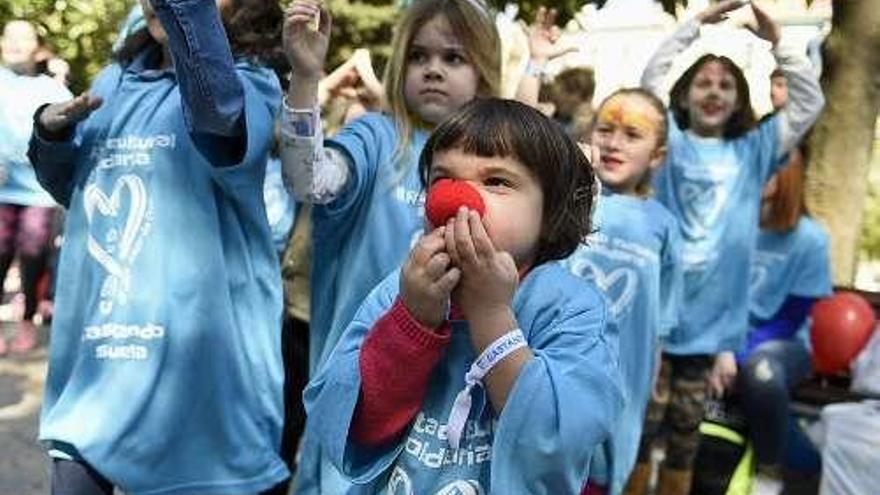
(446, 196)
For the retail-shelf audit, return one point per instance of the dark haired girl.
(401, 412)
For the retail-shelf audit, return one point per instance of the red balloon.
(446, 196)
(842, 325)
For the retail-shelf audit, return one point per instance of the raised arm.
(805, 98)
(311, 172)
(544, 45)
(687, 33)
(212, 94)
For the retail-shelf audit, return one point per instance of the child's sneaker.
(25, 339)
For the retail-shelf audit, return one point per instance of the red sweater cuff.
(396, 361)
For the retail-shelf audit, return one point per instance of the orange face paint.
(622, 112)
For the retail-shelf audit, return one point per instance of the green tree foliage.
(361, 24)
(81, 32)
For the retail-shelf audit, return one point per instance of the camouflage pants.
(676, 409)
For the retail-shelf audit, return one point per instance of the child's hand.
(426, 280)
(544, 34)
(306, 48)
(767, 29)
(363, 63)
(60, 116)
(488, 277)
(723, 375)
(718, 12)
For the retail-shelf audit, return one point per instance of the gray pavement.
(24, 469)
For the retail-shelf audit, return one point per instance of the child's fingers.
(437, 265)
(450, 242)
(482, 242)
(464, 244)
(550, 19)
(449, 280)
(325, 23)
(428, 245)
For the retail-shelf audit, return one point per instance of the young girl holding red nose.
(466, 371)
(717, 162)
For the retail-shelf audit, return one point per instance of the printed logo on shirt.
(123, 342)
(119, 213)
(412, 197)
(118, 222)
(400, 484)
(762, 262)
(619, 280)
(702, 204)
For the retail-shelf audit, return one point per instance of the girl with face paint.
(716, 165)
(633, 259)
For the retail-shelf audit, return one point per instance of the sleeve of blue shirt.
(213, 96)
(671, 280)
(366, 142)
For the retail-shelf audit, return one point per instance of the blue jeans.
(764, 384)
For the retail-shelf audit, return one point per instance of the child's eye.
(454, 58)
(633, 134)
(417, 56)
(497, 182)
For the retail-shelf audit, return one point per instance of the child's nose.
(434, 69)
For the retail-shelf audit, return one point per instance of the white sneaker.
(763, 484)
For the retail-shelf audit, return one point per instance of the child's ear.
(657, 157)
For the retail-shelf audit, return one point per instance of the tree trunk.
(841, 142)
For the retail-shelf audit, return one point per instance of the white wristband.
(490, 356)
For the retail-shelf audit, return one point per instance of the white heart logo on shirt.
(462, 487)
(116, 260)
(619, 285)
(702, 203)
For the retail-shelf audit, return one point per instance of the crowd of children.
(586, 292)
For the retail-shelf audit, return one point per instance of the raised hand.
(305, 46)
(427, 281)
(544, 37)
(766, 28)
(718, 12)
(59, 116)
(363, 63)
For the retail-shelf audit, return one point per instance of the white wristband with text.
(490, 356)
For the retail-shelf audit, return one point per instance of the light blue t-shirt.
(280, 206)
(20, 96)
(561, 407)
(793, 263)
(367, 232)
(713, 187)
(165, 370)
(359, 239)
(633, 259)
